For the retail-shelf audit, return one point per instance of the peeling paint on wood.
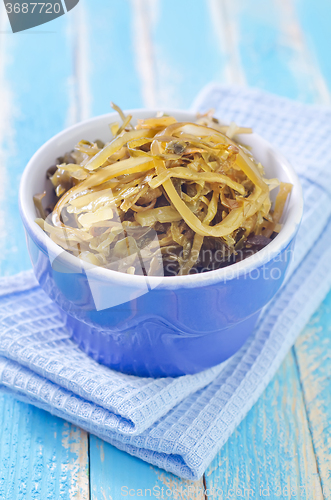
(6, 135)
(115, 475)
(224, 19)
(304, 66)
(78, 83)
(119, 53)
(270, 454)
(75, 441)
(144, 50)
(41, 456)
(313, 354)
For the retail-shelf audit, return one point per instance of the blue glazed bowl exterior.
(148, 326)
(165, 332)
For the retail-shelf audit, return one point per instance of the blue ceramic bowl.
(157, 326)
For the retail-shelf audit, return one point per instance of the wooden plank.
(223, 17)
(274, 54)
(306, 70)
(181, 50)
(270, 454)
(313, 354)
(128, 68)
(273, 49)
(134, 93)
(111, 74)
(135, 63)
(34, 97)
(308, 28)
(238, 42)
(115, 475)
(41, 456)
(314, 18)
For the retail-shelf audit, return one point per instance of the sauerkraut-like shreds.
(163, 197)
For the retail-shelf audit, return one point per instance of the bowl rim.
(274, 248)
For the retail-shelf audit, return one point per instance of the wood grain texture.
(274, 438)
(260, 43)
(111, 72)
(115, 475)
(185, 50)
(41, 456)
(314, 19)
(136, 63)
(273, 50)
(223, 16)
(313, 354)
(310, 83)
(146, 53)
(34, 80)
(270, 454)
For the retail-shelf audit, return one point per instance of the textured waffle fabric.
(180, 424)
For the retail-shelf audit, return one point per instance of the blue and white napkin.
(180, 424)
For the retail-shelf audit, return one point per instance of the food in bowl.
(188, 195)
(157, 325)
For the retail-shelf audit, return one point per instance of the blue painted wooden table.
(160, 53)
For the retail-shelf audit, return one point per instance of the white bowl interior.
(34, 181)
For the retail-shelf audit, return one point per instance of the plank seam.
(225, 29)
(89, 464)
(305, 61)
(307, 416)
(204, 486)
(79, 90)
(144, 51)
